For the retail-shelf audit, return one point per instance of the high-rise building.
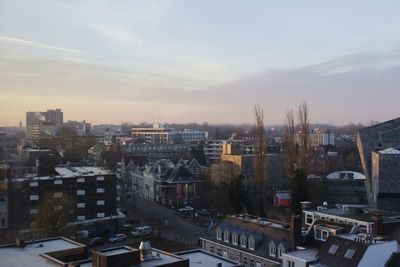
(49, 122)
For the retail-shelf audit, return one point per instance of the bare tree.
(304, 138)
(289, 143)
(261, 162)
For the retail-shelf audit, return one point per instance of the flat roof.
(160, 258)
(81, 171)
(305, 255)
(29, 255)
(115, 251)
(200, 258)
(350, 214)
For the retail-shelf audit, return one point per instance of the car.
(142, 231)
(95, 241)
(117, 238)
(127, 227)
(186, 209)
(204, 213)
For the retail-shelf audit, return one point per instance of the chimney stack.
(295, 231)
(378, 220)
(20, 242)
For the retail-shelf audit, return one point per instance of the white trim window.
(281, 250)
(80, 192)
(243, 241)
(100, 178)
(234, 238)
(252, 243)
(219, 233)
(80, 180)
(226, 236)
(272, 249)
(100, 190)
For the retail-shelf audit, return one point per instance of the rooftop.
(200, 258)
(305, 255)
(80, 171)
(30, 254)
(160, 258)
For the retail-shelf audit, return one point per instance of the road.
(165, 221)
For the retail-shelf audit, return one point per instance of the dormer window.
(252, 243)
(219, 234)
(272, 249)
(243, 241)
(281, 250)
(234, 238)
(226, 236)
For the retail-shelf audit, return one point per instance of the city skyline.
(186, 61)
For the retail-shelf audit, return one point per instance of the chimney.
(377, 226)
(295, 231)
(145, 250)
(20, 242)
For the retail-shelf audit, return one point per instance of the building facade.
(87, 192)
(253, 241)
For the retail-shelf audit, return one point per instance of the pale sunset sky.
(110, 61)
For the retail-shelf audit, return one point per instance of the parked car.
(142, 231)
(204, 212)
(127, 227)
(95, 241)
(186, 209)
(117, 238)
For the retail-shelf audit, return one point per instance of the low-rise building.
(253, 241)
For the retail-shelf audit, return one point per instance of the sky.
(112, 61)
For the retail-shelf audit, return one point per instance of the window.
(349, 254)
(272, 249)
(80, 192)
(58, 194)
(33, 211)
(258, 264)
(100, 190)
(80, 218)
(243, 241)
(309, 219)
(251, 243)
(58, 181)
(100, 215)
(100, 202)
(34, 184)
(3, 222)
(226, 236)
(320, 234)
(290, 264)
(234, 238)
(80, 205)
(219, 234)
(100, 178)
(281, 250)
(59, 207)
(80, 180)
(333, 249)
(34, 197)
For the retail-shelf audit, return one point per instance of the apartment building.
(89, 193)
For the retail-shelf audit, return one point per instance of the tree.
(261, 162)
(298, 190)
(289, 144)
(304, 138)
(53, 213)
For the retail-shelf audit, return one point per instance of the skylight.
(333, 249)
(349, 254)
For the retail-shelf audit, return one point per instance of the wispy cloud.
(18, 41)
(117, 33)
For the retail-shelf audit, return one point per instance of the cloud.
(18, 41)
(117, 33)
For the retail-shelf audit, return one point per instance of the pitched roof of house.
(262, 231)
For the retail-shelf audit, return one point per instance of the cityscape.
(199, 134)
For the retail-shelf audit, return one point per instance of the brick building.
(89, 191)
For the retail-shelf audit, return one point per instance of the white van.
(142, 231)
